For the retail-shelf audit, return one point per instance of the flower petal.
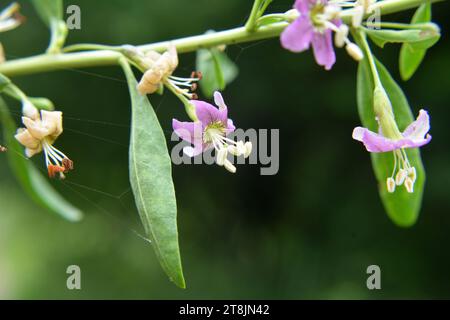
(230, 127)
(323, 49)
(188, 131)
(35, 127)
(26, 139)
(298, 35)
(53, 121)
(207, 113)
(418, 129)
(218, 100)
(373, 141)
(377, 143)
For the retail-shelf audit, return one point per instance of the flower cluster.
(40, 133)
(210, 131)
(314, 26)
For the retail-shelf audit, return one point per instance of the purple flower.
(210, 131)
(314, 26)
(415, 135)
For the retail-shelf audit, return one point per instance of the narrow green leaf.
(417, 39)
(402, 207)
(151, 181)
(36, 186)
(411, 57)
(51, 13)
(49, 10)
(217, 69)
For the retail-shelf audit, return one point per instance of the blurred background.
(308, 232)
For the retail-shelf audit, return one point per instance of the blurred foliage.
(308, 232)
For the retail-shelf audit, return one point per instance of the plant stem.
(250, 26)
(368, 53)
(50, 62)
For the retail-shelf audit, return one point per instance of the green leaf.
(34, 184)
(411, 57)
(49, 10)
(217, 69)
(151, 181)
(402, 207)
(417, 39)
(51, 13)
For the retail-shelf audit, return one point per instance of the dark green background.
(308, 232)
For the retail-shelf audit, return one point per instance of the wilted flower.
(314, 26)
(160, 68)
(210, 131)
(10, 17)
(39, 134)
(415, 135)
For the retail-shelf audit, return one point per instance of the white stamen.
(390, 183)
(354, 51)
(241, 147)
(409, 185)
(233, 150)
(229, 166)
(412, 174)
(221, 156)
(341, 35)
(400, 177)
(248, 149)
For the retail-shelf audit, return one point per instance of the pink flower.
(414, 136)
(314, 26)
(211, 131)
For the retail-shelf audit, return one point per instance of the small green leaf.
(37, 187)
(402, 207)
(52, 14)
(217, 69)
(418, 39)
(151, 181)
(411, 57)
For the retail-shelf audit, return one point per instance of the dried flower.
(39, 134)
